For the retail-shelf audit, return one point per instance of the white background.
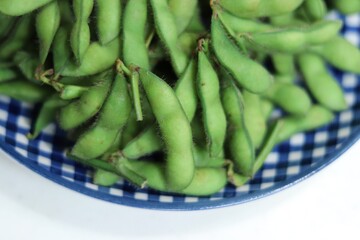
(325, 206)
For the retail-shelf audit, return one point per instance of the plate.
(288, 164)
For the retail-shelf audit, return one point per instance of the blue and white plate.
(289, 163)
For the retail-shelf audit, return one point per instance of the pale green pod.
(206, 181)
(105, 178)
(259, 8)
(167, 31)
(317, 116)
(108, 21)
(134, 35)
(80, 34)
(174, 128)
(346, 6)
(183, 11)
(315, 9)
(79, 111)
(97, 59)
(208, 88)
(322, 85)
(340, 53)
(247, 73)
(20, 7)
(17, 38)
(290, 97)
(112, 118)
(47, 24)
(255, 121)
(7, 74)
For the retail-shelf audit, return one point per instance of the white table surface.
(325, 206)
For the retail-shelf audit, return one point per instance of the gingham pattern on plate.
(290, 162)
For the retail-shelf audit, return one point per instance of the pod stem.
(134, 83)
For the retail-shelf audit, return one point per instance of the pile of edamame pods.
(175, 95)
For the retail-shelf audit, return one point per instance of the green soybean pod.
(105, 178)
(315, 9)
(239, 142)
(196, 24)
(80, 34)
(108, 22)
(208, 88)
(317, 116)
(134, 34)
(346, 6)
(255, 121)
(323, 31)
(67, 15)
(17, 38)
(242, 25)
(340, 53)
(284, 64)
(27, 64)
(322, 85)
(24, 91)
(259, 8)
(187, 42)
(146, 143)
(167, 31)
(206, 181)
(7, 74)
(175, 130)
(69, 92)
(247, 73)
(267, 107)
(47, 24)
(61, 50)
(185, 90)
(46, 115)
(79, 111)
(7, 23)
(20, 7)
(202, 158)
(290, 97)
(183, 11)
(96, 60)
(269, 144)
(112, 118)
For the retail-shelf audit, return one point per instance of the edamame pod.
(239, 142)
(7, 23)
(17, 38)
(206, 181)
(61, 50)
(7, 74)
(202, 158)
(315, 9)
(97, 59)
(247, 73)
(255, 121)
(105, 178)
(290, 97)
(27, 64)
(112, 118)
(47, 24)
(346, 6)
(259, 8)
(46, 115)
(208, 86)
(134, 34)
(175, 130)
(79, 111)
(340, 53)
(146, 143)
(108, 21)
(317, 116)
(20, 7)
(24, 91)
(268, 146)
(167, 31)
(323, 86)
(80, 34)
(183, 11)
